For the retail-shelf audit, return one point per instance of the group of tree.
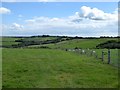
(27, 42)
(112, 44)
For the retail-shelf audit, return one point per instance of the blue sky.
(53, 14)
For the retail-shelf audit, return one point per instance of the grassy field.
(52, 68)
(35, 67)
(0, 68)
(98, 55)
(8, 41)
(113, 55)
(80, 43)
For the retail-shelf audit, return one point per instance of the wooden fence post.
(108, 56)
(102, 55)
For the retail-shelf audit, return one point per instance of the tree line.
(27, 41)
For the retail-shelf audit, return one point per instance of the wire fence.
(109, 56)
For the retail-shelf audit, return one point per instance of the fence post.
(108, 56)
(81, 51)
(96, 56)
(102, 55)
(85, 52)
(91, 53)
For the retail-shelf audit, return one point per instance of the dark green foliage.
(112, 44)
(79, 42)
(33, 41)
(44, 47)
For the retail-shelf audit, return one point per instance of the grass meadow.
(54, 67)
(28, 68)
(80, 43)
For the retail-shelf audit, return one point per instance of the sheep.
(83, 51)
(94, 52)
(73, 50)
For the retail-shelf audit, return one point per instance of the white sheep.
(83, 51)
(73, 50)
(94, 52)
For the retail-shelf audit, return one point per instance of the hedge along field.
(41, 68)
(80, 43)
(11, 40)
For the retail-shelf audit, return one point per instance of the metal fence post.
(91, 53)
(81, 51)
(102, 55)
(96, 56)
(108, 56)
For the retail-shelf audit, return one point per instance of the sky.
(59, 18)
(59, 0)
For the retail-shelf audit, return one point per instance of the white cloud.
(91, 22)
(16, 26)
(4, 10)
(96, 14)
(71, 26)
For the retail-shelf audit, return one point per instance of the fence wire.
(106, 56)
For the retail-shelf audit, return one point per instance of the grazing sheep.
(73, 50)
(83, 51)
(94, 52)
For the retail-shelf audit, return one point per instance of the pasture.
(8, 41)
(41, 68)
(48, 62)
(80, 43)
(98, 55)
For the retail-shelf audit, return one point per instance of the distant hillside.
(59, 42)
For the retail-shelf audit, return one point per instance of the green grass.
(0, 68)
(50, 68)
(80, 43)
(54, 68)
(113, 55)
(8, 41)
